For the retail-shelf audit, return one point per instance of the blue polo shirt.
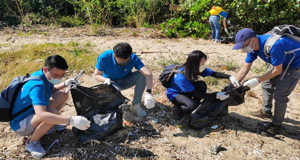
(108, 65)
(180, 84)
(32, 93)
(223, 15)
(277, 55)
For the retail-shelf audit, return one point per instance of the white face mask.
(54, 81)
(248, 48)
(202, 68)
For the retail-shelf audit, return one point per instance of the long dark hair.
(191, 66)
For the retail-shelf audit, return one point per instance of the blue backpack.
(9, 95)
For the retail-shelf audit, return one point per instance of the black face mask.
(123, 64)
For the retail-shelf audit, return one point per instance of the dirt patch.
(158, 136)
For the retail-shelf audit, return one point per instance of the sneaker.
(138, 110)
(177, 115)
(36, 149)
(270, 130)
(217, 41)
(261, 114)
(57, 127)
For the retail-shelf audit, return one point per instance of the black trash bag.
(211, 110)
(101, 104)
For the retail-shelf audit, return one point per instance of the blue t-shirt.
(32, 93)
(108, 65)
(180, 84)
(223, 15)
(277, 52)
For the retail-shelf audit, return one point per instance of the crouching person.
(115, 66)
(185, 92)
(47, 98)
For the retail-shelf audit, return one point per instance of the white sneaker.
(217, 41)
(138, 110)
(57, 127)
(36, 149)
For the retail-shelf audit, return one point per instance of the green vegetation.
(17, 63)
(189, 20)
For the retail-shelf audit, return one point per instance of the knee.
(201, 86)
(141, 77)
(279, 97)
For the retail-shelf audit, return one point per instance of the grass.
(229, 65)
(31, 58)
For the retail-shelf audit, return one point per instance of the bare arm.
(98, 75)
(277, 70)
(148, 75)
(224, 22)
(44, 115)
(243, 71)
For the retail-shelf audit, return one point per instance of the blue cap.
(241, 37)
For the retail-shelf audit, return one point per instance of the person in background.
(185, 92)
(214, 21)
(115, 67)
(47, 98)
(275, 83)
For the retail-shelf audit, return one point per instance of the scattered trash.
(214, 127)
(155, 120)
(215, 149)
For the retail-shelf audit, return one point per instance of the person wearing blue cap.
(275, 83)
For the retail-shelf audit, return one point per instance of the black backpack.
(9, 95)
(167, 73)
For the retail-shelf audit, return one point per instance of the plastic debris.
(215, 149)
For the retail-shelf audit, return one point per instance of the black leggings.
(185, 102)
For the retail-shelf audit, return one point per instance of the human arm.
(148, 75)
(98, 76)
(243, 71)
(220, 75)
(48, 116)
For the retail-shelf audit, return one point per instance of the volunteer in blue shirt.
(275, 84)
(214, 21)
(115, 67)
(185, 92)
(47, 98)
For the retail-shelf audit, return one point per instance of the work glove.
(149, 101)
(80, 122)
(234, 81)
(251, 83)
(222, 96)
(226, 30)
(68, 82)
(107, 81)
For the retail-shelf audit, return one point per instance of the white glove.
(107, 81)
(251, 83)
(234, 81)
(69, 82)
(222, 96)
(226, 30)
(149, 101)
(80, 122)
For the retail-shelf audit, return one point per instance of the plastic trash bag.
(211, 110)
(101, 104)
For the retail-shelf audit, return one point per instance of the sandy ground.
(174, 140)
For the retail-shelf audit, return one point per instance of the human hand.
(69, 82)
(80, 122)
(149, 101)
(251, 83)
(107, 81)
(234, 81)
(222, 96)
(226, 30)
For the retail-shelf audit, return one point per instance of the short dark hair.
(122, 50)
(56, 61)
(191, 66)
